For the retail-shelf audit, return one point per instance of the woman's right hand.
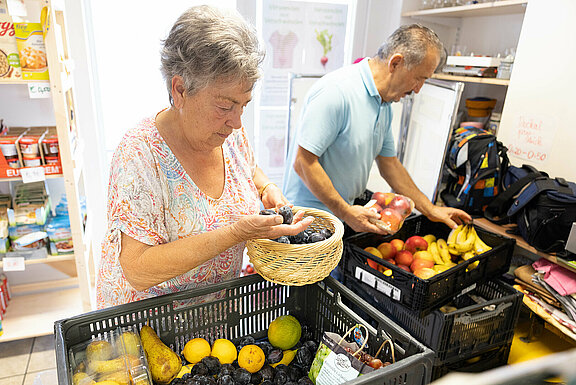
(268, 226)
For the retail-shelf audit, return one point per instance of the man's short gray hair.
(413, 42)
(208, 44)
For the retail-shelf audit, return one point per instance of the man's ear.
(395, 62)
(178, 91)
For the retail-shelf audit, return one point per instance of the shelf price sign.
(38, 90)
(13, 264)
(32, 174)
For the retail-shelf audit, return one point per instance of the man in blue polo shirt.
(345, 126)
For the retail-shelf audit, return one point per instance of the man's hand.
(451, 216)
(358, 218)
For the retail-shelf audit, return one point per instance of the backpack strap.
(537, 186)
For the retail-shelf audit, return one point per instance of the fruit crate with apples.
(246, 306)
(473, 322)
(424, 295)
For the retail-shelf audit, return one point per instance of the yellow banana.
(429, 238)
(433, 249)
(464, 244)
(468, 255)
(443, 249)
(452, 250)
(453, 235)
(479, 246)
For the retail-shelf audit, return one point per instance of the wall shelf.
(472, 79)
(49, 259)
(493, 8)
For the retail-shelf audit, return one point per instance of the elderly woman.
(185, 192)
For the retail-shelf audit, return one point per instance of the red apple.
(420, 263)
(387, 250)
(400, 204)
(404, 267)
(375, 207)
(372, 264)
(415, 243)
(383, 198)
(398, 244)
(392, 219)
(404, 257)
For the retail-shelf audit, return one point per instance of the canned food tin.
(8, 146)
(29, 146)
(13, 161)
(50, 146)
(52, 160)
(32, 162)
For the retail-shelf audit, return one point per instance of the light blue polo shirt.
(346, 125)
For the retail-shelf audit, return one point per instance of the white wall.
(542, 86)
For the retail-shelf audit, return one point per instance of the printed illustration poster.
(270, 145)
(533, 137)
(300, 37)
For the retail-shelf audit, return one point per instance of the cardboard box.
(9, 56)
(33, 60)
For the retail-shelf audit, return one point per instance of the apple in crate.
(415, 243)
(404, 267)
(398, 244)
(424, 254)
(404, 257)
(420, 263)
(425, 273)
(387, 250)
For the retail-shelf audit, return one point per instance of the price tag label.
(32, 174)
(14, 264)
(38, 90)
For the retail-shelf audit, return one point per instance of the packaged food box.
(60, 235)
(113, 357)
(9, 57)
(33, 60)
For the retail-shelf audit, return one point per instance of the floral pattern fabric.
(152, 199)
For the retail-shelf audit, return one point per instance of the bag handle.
(350, 331)
(388, 341)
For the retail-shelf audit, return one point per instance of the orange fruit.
(196, 349)
(284, 332)
(224, 350)
(251, 358)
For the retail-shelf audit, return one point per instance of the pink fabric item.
(358, 60)
(561, 279)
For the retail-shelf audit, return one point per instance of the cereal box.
(9, 59)
(32, 50)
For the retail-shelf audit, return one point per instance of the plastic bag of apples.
(393, 210)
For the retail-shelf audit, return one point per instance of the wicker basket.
(301, 264)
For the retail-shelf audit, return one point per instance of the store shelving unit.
(34, 307)
(472, 79)
(492, 8)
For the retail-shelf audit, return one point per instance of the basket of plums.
(303, 258)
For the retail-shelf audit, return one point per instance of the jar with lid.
(29, 146)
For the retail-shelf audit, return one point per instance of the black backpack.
(544, 208)
(475, 164)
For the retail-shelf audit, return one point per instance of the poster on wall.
(533, 137)
(270, 147)
(300, 37)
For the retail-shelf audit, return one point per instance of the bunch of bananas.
(463, 243)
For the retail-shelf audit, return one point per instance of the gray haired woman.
(184, 189)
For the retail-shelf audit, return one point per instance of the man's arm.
(318, 182)
(398, 178)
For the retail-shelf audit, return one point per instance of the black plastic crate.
(246, 306)
(424, 295)
(470, 329)
(476, 363)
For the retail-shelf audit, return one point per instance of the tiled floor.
(28, 362)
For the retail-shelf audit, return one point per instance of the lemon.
(284, 332)
(251, 358)
(196, 349)
(224, 350)
(287, 357)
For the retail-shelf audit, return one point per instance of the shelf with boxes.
(38, 300)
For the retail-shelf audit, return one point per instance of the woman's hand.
(272, 197)
(268, 226)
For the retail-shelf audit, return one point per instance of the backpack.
(474, 164)
(544, 208)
